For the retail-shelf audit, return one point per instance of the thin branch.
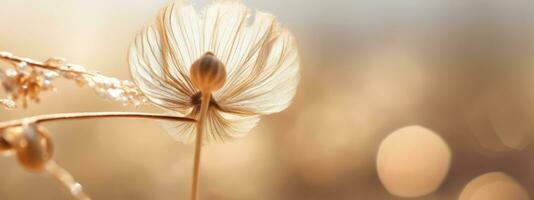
(90, 115)
(28, 78)
(32, 63)
(67, 180)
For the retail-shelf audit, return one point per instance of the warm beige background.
(463, 70)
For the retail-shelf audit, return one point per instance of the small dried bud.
(208, 73)
(34, 148)
(55, 62)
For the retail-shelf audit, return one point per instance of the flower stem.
(67, 180)
(198, 144)
(90, 115)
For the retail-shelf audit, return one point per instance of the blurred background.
(420, 99)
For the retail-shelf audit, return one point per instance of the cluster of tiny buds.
(114, 89)
(26, 83)
(26, 79)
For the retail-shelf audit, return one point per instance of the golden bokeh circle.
(494, 186)
(413, 161)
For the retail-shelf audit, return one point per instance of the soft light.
(494, 186)
(413, 161)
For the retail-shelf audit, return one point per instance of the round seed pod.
(208, 73)
(34, 148)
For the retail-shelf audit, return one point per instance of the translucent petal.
(265, 82)
(146, 66)
(260, 56)
(220, 127)
(162, 54)
(261, 59)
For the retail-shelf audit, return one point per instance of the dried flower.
(260, 59)
(25, 83)
(28, 78)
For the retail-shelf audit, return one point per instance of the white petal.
(220, 127)
(265, 80)
(180, 26)
(260, 56)
(162, 54)
(146, 67)
(180, 131)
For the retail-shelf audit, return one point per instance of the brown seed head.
(208, 73)
(34, 148)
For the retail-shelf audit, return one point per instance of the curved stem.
(198, 143)
(90, 115)
(58, 172)
(67, 180)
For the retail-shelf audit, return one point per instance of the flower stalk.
(198, 144)
(263, 71)
(208, 74)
